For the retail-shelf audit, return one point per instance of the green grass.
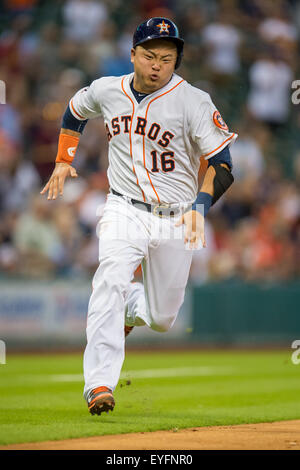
(234, 388)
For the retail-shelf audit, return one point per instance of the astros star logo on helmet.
(164, 27)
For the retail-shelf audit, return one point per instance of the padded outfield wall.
(237, 313)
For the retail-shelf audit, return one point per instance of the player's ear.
(132, 55)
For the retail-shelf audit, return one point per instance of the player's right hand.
(194, 228)
(56, 182)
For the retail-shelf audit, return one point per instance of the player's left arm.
(217, 179)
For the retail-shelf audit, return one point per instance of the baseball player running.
(158, 127)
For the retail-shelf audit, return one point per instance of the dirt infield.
(283, 435)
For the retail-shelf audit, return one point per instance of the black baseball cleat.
(100, 400)
(127, 330)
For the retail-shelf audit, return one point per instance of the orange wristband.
(67, 146)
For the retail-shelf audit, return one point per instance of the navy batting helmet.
(159, 28)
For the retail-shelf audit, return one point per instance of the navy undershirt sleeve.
(221, 157)
(70, 122)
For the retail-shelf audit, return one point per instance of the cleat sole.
(102, 405)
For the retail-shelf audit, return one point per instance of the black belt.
(160, 210)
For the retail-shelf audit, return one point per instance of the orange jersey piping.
(130, 141)
(144, 156)
(209, 153)
(74, 110)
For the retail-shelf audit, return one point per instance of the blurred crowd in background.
(243, 52)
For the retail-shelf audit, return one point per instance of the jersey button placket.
(137, 152)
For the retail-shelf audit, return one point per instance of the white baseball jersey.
(155, 145)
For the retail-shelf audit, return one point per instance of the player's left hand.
(194, 228)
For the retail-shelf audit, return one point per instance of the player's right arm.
(83, 106)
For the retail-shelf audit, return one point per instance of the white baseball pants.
(128, 237)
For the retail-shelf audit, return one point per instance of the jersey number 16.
(166, 159)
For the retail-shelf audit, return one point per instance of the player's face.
(154, 64)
